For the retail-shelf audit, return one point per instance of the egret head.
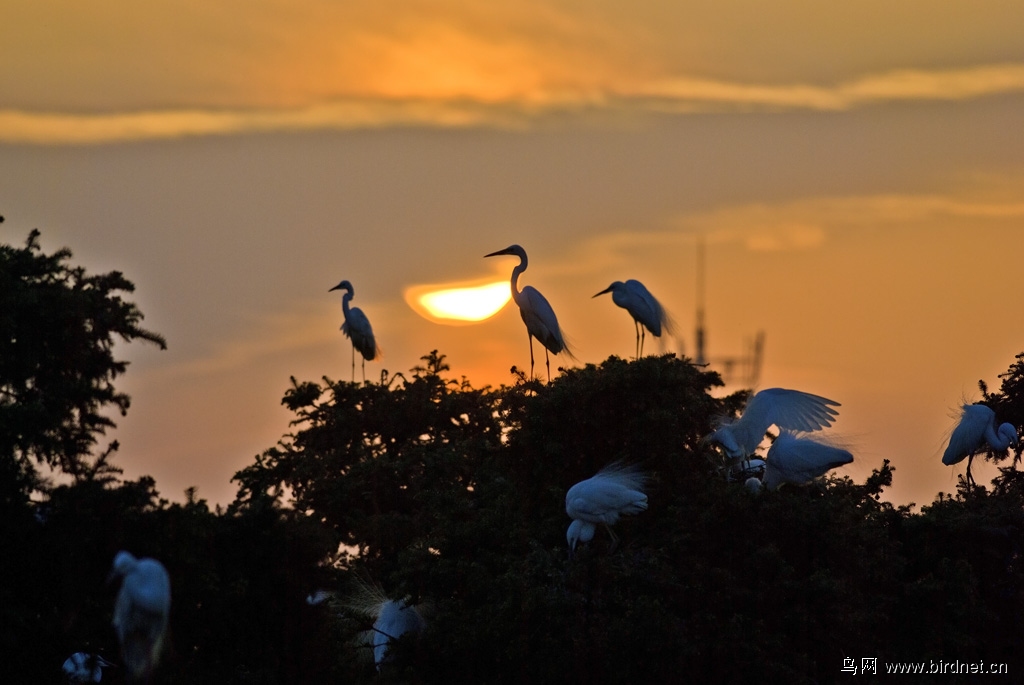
(724, 437)
(124, 562)
(344, 285)
(1009, 433)
(511, 249)
(579, 531)
(617, 285)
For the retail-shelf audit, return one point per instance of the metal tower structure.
(744, 370)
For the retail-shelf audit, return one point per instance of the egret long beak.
(606, 290)
(499, 252)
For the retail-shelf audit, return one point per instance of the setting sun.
(464, 304)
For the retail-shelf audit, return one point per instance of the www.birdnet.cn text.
(873, 666)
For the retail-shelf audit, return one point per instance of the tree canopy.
(57, 364)
(452, 498)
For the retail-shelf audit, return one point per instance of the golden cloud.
(463, 99)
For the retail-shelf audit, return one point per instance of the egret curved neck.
(515, 278)
(345, 299)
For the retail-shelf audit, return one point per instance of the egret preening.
(537, 314)
(614, 491)
(141, 612)
(357, 329)
(85, 668)
(977, 427)
(646, 311)
(395, 618)
(791, 410)
(799, 460)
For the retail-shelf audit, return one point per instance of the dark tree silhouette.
(57, 367)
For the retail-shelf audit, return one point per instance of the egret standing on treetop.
(141, 612)
(357, 328)
(537, 314)
(799, 460)
(603, 498)
(788, 409)
(646, 311)
(976, 427)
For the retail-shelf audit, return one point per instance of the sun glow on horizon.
(462, 304)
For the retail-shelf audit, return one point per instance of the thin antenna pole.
(699, 334)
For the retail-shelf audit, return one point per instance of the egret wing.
(800, 460)
(795, 410)
(357, 328)
(540, 320)
(603, 500)
(643, 306)
(969, 433)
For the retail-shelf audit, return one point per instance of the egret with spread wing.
(799, 460)
(537, 314)
(646, 311)
(141, 612)
(357, 329)
(603, 498)
(791, 410)
(976, 428)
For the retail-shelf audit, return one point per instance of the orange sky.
(855, 171)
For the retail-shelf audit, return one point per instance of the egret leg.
(970, 478)
(643, 336)
(364, 370)
(353, 362)
(637, 347)
(615, 538)
(547, 361)
(530, 338)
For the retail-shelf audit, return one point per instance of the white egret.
(788, 409)
(537, 314)
(799, 460)
(646, 311)
(81, 667)
(753, 485)
(357, 328)
(319, 597)
(603, 498)
(977, 426)
(395, 618)
(141, 612)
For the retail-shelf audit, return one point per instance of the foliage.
(426, 488)
(458, 504)
(57, 367)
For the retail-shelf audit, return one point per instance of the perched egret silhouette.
(537, 314)
(603, 498)
(791, 410)
(395, 618)
(799, 460)
(141, 612)
(977, 426)
(357, 329)
(81, 667)
(646, 311)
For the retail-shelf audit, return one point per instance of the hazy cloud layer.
(510, 112)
